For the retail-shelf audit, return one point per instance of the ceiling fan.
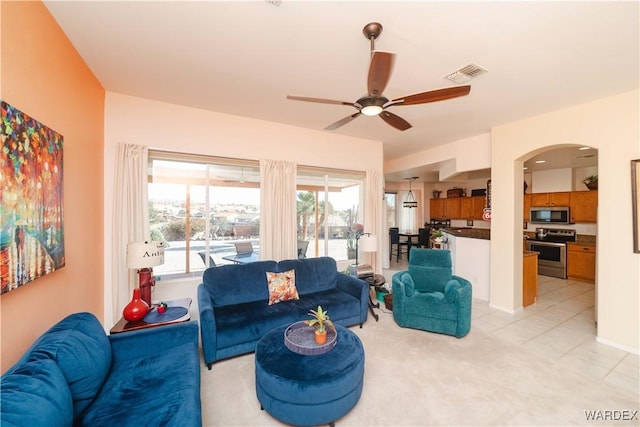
(374, 103)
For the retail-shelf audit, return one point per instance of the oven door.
(552, 258)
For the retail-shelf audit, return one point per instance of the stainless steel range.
(551, 244)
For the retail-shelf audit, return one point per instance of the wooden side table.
(124, 325)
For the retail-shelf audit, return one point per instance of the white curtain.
(278, 228)
(374, 216)
(130, 218)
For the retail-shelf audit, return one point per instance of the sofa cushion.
(249, 322)
(429, 279)
(36, 394)
(282, 286)
(312, 274)
(238, 283)
(160, 388)
(81, 349)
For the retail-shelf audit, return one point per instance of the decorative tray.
(300, 338)
(172, 313)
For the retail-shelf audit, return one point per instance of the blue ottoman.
(309, 390)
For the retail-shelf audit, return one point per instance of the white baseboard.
(613, 344)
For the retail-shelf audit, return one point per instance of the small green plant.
(591, 181)
(320, 320)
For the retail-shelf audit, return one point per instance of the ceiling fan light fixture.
(371, 110)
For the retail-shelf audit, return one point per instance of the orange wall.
(43, 75)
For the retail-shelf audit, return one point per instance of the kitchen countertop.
(529, 253)
(586, 239)
(472, 233)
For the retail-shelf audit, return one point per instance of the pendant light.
(410, 201)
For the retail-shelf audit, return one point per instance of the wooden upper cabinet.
(526, 206)
(452, 207)
(584, 206)
(466, 208)
(478, 206)
(551, 199)
(436, 208)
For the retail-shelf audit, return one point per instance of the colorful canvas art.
(31, 210)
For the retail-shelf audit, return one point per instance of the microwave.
(550, 215)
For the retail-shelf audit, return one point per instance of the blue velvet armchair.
(429, 297)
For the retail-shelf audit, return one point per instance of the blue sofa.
(75, 374)
(234, 310)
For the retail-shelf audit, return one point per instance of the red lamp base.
(146, 281)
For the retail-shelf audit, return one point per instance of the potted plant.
(320, 322)
(591, 182)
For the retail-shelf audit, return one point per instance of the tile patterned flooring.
(560, 326)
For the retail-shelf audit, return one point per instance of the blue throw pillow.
(36, 394)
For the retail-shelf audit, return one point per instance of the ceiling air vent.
(465, 74)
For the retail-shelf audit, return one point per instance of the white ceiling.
(245, 57)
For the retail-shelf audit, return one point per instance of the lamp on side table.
(143, 256)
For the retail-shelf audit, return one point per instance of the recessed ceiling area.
(562, 158)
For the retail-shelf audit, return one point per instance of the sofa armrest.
(147, 342)
(208, 330)
(402, 284)
(457, 290)
(359, 289)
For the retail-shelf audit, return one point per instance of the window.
(202, 206)
(329, 206)
(391, 199)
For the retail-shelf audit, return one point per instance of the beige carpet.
(415, 378)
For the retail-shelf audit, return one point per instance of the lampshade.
(369, 243)
(145, 254)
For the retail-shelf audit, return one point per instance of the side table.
(124, 325)
(374, 281)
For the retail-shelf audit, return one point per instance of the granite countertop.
(586, 239)
(472, 233)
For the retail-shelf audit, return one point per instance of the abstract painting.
(31, 210)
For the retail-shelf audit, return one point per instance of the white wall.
(612, 126)
(553, 180)
(177, 128)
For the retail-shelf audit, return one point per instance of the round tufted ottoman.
(309, 390)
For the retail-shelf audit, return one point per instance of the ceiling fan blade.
(379, 72)
(433, 96)
(342, 122)
(320, 100)
(395, 121)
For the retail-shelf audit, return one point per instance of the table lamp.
(369, 243)
(143, 256)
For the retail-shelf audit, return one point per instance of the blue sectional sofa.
(75, 374)
(234, 309)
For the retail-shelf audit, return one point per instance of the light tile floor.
(559, 326)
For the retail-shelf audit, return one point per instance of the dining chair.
(394, 240)
(423, 237)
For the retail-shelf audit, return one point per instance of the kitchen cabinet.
(551, 199)
(529, 278)
(584, 206)
(445, 208)
(452, 207)
(581, 262)
(526, 206)
(436, 208)
(472, 207)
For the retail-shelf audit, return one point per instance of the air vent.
(465, 74)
